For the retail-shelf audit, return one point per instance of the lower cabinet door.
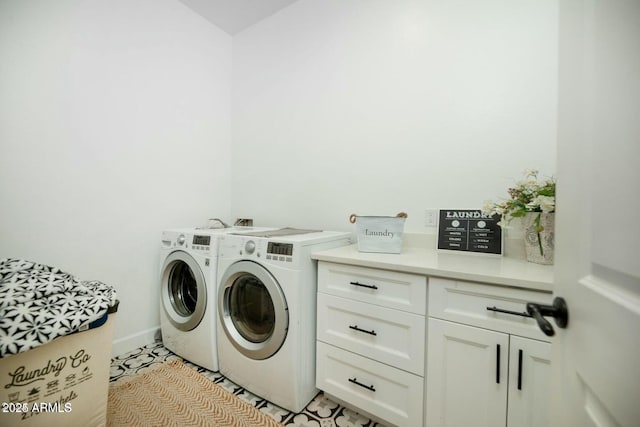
(389, 393)
(529, 381)
(467, 376)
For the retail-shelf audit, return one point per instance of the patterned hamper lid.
(39, 303)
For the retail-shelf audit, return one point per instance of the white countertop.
(497, 270)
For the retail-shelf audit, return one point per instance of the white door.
(466, 376)
(596, 360)
(529, 379)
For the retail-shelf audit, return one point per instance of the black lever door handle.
(558, 310)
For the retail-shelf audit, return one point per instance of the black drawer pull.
(519, 369)
(362, 285)
(515, 313)
(356, 382)
(355, 328)
(498, 364)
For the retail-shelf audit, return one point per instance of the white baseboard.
(131, 342)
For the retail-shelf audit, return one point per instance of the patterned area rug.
(172, 394)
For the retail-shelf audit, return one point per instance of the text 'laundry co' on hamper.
(55, 346)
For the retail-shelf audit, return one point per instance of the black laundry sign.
(469, 231)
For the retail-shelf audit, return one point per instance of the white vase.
(539, 245)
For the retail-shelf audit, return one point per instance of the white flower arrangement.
(528, 195)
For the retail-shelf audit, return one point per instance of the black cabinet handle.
(515, 313)
(355, 381)
(519, 369)
(558, 310)
(362, 285)
(497, 363)
(355, 328)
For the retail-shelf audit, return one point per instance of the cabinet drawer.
(390, 336)
(388, 393)
(402, 291)
(467, 302)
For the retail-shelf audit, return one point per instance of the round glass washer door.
(253, 310)
(184, 291)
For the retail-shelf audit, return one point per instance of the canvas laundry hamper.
(65, 380)
(381, 234)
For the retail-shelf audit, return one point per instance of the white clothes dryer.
(188, 292)
(267, 312)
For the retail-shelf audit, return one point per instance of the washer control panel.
(280, 251)
(250, 247)
(200, 242)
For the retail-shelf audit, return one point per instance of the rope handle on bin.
(352, 217)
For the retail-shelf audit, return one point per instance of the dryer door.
(253, 310)
(184, 291)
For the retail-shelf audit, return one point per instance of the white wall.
(377, 106)
(114, 124)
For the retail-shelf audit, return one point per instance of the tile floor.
(320, 412)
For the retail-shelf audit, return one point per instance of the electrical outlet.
(430, 217)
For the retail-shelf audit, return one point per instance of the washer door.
(184, 291)
(253, 310)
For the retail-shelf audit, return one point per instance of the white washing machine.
(267, 312)
(188, 285)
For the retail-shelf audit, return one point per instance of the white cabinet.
(529, 382)
(371, 341)
(485, 367)
(462, 368)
